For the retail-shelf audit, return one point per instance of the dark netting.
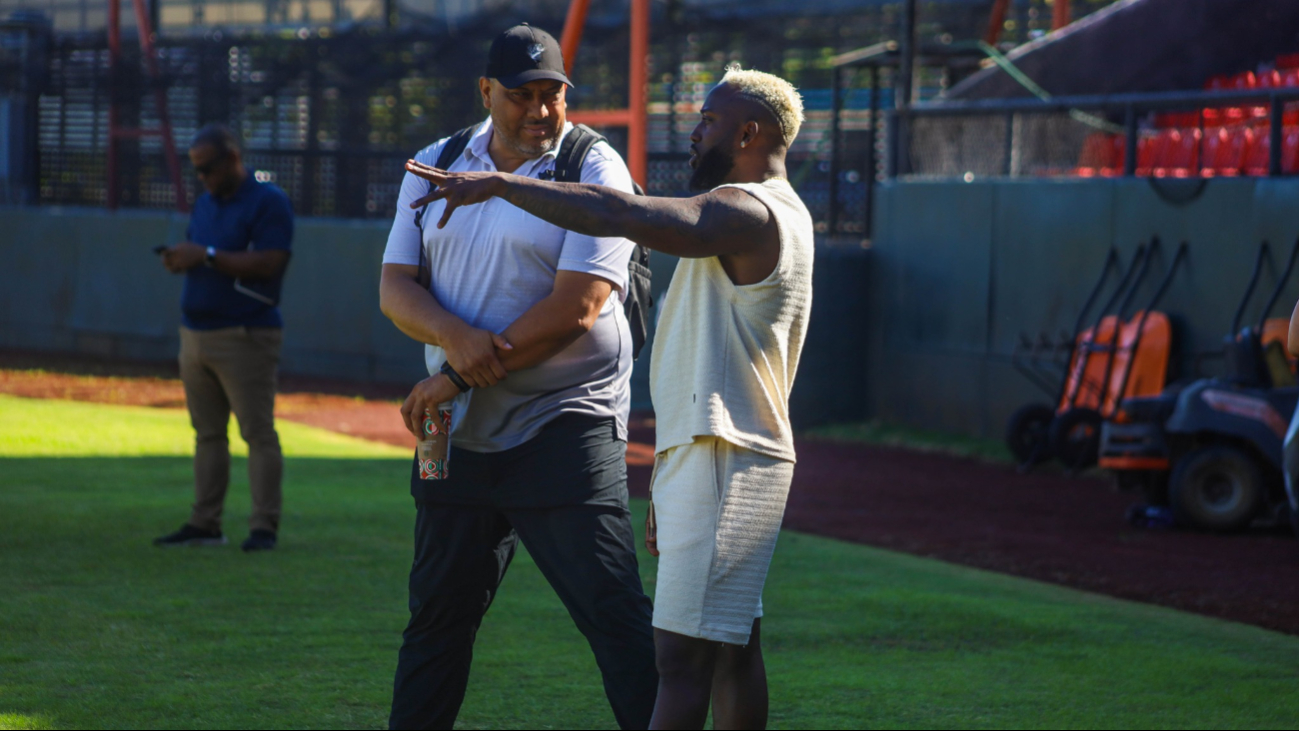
(330, 114)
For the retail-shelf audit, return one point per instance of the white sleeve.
(405, 239)
(604, 257)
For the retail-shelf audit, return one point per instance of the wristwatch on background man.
(209, 258)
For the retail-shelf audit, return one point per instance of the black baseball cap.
(523, 54)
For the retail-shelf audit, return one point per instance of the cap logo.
(535, 51)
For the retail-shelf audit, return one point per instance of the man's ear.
(485, 88)
(749, 133)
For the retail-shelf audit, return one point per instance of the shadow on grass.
(103, 628)
(100, 628)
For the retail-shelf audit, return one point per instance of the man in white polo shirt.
(525, 329)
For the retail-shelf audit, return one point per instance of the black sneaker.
(259, 540)
(188, 535)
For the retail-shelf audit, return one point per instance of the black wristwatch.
(454, 377)
(209, 257)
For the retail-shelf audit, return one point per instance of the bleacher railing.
(1158, 134)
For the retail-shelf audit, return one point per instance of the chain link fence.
(1012, 145)
(330, 113)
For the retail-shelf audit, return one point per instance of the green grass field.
(100, 629)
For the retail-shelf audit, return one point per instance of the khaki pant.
(233, 368)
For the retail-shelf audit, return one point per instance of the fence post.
(1130, 145)
(893, 144)
(1008, 164)
(836, 147)
(871, 162)
(1275, 133)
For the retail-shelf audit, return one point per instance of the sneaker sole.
(195, 543)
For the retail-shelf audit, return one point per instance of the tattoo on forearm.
(577, 208)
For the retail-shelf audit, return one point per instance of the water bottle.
(434, 449)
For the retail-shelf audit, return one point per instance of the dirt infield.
(1048, 527)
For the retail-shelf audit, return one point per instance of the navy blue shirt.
(258, 217)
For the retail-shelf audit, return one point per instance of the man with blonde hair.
(729, 338)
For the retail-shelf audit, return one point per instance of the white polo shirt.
(492, 263)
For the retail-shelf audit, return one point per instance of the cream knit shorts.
(718, 509)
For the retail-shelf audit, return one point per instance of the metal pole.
(1061, 17)
(572, 37)
(836, 148)
(1130, 144)
(870, 151)
(114, 82)
(160, 103)
(637, 94)
(389, 13)
(891, 161)
(1274, 154)
(906, 55)
(997, 21)
(1008, 165)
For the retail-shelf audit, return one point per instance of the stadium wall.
(960, 269)
(81, 280)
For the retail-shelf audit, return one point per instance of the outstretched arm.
(722, 222)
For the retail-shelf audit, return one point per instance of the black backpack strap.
(572, 154)
(451, 151)
(573, 151)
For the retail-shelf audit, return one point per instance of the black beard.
(711, 171)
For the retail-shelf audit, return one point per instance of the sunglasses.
(210, 166)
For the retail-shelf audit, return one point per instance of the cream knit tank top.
(725, 355)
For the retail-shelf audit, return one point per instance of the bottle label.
(434, 449)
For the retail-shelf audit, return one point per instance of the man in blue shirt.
(237, 249)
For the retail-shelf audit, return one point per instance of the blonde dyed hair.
(777, 95)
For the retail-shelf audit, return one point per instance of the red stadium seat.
(1097, 155)
(1288, 61)
(1223, 116)
(1290, 80)
(1269, 80)
(1257, 159)
(1172, 120)
(1179, 155)
(1290, 150)
(1148, 149)
(1225, 149)
(1243, 80)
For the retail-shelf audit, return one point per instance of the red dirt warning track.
(1047, 527)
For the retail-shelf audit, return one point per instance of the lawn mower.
(1041, 362)
(1211, 451)
(1113, 357)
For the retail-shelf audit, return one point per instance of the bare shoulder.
(736, 207)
